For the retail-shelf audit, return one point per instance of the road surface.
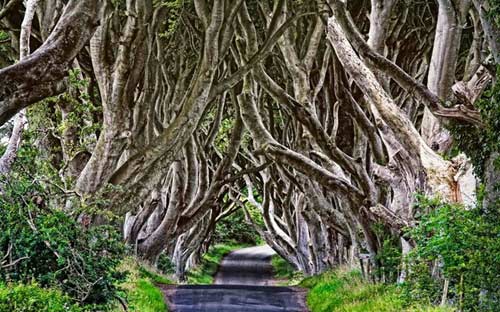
(242, 284)
(247, 266)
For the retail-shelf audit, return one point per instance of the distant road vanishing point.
(242, 284)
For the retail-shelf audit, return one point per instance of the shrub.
(165, 264)
(389, 255)
(56, 251)
(281, 267)
(33, 298)
(49, 246)
(462, 246)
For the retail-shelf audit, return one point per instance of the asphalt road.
(247, 266)
(241, 285)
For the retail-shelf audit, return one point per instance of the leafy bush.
(47, 245)
(281, 267)
(165, 264)
(465, 247)
(466, 243)
(56, 251)
(33, 298)
(388, 256)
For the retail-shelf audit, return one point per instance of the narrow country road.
(247, 266)
(242, 284)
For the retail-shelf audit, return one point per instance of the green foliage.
(234, 229)
(223, 137)
(480, 143)
(388, 256)
(466, 246)
(420, 285)
(175, 9)
(33, 298)
(139, 289)
(284, 272)
(81, 108)
(3, 35)
(205, 272)
(346, 291)
(67, 122)
(146, 297)
(5, 48)
(56, 251)
(237, 229)
(49, 246)
(148, 272)
(494, 11)
(165, 264)
(281, 267)
(254, 212)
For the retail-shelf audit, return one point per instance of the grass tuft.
(140, 290)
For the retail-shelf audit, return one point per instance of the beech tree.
(326, 116)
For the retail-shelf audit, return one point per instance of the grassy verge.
(284, 273)
(204, 273)
(346, 291)
(33, 298)
(139, 290)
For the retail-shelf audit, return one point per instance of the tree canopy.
(321, 124)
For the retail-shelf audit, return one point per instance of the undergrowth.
(33, 298)
(347, 291)
(284, 272)
(140, 291)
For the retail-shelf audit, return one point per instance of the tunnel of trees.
(332, 129)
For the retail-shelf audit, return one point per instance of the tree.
(332, 116)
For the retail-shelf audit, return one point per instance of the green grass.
(33, 298)
(204, 273)
(140, 290)
(346, 291)
(284, 272)
(152, 275)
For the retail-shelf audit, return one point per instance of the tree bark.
(37, 76)
(441, 77)
(20, 121)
